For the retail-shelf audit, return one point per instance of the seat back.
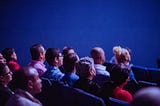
(140, 73)
(117, 102)
(143, 84)
(101, 79)
(154, 74)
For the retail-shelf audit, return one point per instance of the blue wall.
(82, 24)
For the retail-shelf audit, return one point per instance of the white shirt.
(100, 69)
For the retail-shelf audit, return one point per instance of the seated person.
(98, 56)
(38, 57)
(147, 97)
(11, 58)
(5, 78)
(122, 57)
(2, 59)
(27, 83)
(114, 88)
(86, 72)
(158, 62)
(55, 59)
(66, 50)
(69, 62)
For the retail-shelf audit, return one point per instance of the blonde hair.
(117, 50)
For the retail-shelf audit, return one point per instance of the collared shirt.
(23, 98)
(100, 69)
(39, 66)
(53, 73)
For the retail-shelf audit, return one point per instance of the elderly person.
(98, 56)
(86, 72)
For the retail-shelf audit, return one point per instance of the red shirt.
(13, 66)
(121, 94)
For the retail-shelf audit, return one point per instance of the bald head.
(27, 78)
(98, 55)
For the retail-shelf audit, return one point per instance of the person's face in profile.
(37, 85)
(7, 76)
(2, 59)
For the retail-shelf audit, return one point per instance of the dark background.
(82, 24)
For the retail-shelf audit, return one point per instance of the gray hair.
(83, 66)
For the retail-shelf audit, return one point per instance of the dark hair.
(69, 62)
(119, 75)
(66, 50)
(35, 51)
(50, 55)
(7, 53)
(158, 62)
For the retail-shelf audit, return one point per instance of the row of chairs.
(146, 74)
(57, 94)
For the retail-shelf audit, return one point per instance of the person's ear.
(30, 84)
(56, 59)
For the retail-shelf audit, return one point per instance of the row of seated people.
(55, 93)
(78, 76)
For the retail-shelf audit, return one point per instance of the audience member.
(98, 56)
(158, 62)
(2, 59)
(147, 97)
(54, 58)
(69, 62)
(86, 72)
(66, 51)
(38, 57)
(11, 58)
(27, 84)
(119, 78)
(123, 58)
(5, 78)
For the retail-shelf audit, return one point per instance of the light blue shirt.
(70, 78)
(53, 73)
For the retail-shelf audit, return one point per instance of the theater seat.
(140, 73)
(117, 102)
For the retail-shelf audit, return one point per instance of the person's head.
(149, 96)
(98, 55)
(2, 59)
(54, 57)
(37, 52)
(9, 54)
(27, 78)
(67, 50)
(5, 74)
(158, 62)
(69, 62)
(122, 55)
(119, 75)
(85, 68)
